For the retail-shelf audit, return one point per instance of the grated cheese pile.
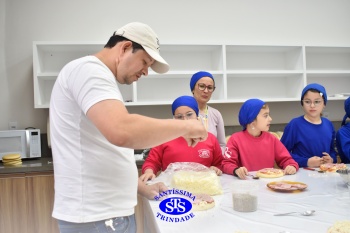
(197, 182)
(340, 227)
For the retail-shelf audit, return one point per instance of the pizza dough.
(270, 173)
(332, 167)
(203, 202)
(12, 160)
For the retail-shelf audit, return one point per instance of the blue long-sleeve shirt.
(343, 143)
(304, 139)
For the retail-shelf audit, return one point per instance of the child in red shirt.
(208, 152)
(254, 148)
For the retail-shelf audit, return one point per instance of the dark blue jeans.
(115, 225)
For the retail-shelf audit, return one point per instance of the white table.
(326, 193)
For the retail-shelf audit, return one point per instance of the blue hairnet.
(198, 76)
(316, 87)
(185, 100)
(249, 111)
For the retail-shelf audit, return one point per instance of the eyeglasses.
(309, 102)
(188, 115)
(202, 87)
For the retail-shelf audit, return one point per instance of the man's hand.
(150, 191)
(197, 133)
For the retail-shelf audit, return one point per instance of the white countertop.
(326, 193)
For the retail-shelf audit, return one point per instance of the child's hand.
(148, 175)
(242, 172)
(217, 170)
(327, 158)
(290, 170)
(315, 161)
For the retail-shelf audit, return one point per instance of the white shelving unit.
(48, 60)
(272, 73)
(184, 61)
(331, 67)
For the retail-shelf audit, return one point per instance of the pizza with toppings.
(286, 185)
(202, 202)
(332, 167)
(270, 173)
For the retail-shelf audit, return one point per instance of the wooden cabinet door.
(13, 204)
(40, 199)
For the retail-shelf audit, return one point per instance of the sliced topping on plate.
(332, 167)
(286, 185)
(202, 202)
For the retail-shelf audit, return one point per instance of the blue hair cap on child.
(185, 100)
(316, 87)
(198, 76)
(249, 111)
(347, 110)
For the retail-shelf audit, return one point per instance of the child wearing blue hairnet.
(254, 148)
(343, 135)
(207, 153)
(310, 137)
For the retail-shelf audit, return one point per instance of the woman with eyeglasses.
(207, 152)
(202, 86)
(310, 138)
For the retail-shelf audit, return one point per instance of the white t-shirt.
(94, 179)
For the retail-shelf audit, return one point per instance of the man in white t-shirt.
(93, 135)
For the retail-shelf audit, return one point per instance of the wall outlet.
(12, 125)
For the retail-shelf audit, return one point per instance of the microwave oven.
(24, 142)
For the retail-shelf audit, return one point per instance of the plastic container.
(245, 195)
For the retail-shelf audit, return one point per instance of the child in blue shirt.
(343, 135)
(310, 138)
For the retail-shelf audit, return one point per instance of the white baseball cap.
(144, 35)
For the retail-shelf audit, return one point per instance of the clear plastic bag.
(192, 177)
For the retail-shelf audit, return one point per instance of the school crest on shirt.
(204, 153)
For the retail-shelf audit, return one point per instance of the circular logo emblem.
(175, 206)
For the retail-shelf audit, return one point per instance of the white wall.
(288, 22)
(3, 77)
